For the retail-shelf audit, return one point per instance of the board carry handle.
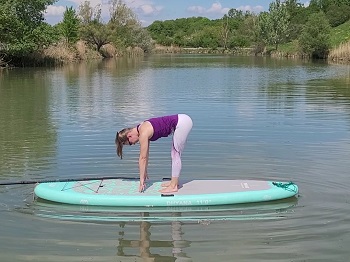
(28, 182)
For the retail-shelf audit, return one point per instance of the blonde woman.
(151, 130)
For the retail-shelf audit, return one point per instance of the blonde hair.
(121, 139)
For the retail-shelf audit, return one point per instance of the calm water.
(254, 118)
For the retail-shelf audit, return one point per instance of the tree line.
(24, 32)
(284, 22)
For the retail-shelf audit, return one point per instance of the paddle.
(26, 182)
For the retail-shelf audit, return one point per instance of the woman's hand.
(142, 185)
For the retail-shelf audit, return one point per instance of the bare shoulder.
(146, 130)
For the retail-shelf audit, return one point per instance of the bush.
(338, 15)
(315, 37)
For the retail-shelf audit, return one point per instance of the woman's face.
(132, 138)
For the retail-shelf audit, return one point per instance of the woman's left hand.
(142, 186)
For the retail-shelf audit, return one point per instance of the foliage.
(340, 34)
(241, 28)
(297, 18)
(338, 14)
(315, 37)
(171, 32)
(69, 27)
(126, 27)
(22, 28)
(123, 28)
(287, 22)
(92, 29)
(274, 26)
(324, 5)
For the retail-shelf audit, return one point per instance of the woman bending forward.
(151, 130)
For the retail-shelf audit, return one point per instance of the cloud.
(254, 9)
(55, 10)
(149, 10)
(216, 8)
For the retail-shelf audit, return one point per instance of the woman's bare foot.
(169, 189)
(166, 184)
(170, 186)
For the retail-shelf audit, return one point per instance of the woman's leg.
(182, 130)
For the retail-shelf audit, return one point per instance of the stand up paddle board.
(124, 193)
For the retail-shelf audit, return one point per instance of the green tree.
(225, 31)
(92, 29)
(263, 28)
(20, 24)
(273, 27)
(70, 25)
(314, 39)
(297, 18)
(126, 27)
(338, 14)
(278, 23)
(182, 31)
(245, 35)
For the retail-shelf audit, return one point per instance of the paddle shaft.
(26, 182)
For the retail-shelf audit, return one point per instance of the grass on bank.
(339, 42)
(340, 35)
(62, 53)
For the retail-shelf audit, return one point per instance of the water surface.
(254, 118)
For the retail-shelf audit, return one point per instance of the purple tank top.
(163, 126)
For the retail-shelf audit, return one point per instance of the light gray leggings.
(183, 128)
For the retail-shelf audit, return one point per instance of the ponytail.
(119, 145)
(120, 140)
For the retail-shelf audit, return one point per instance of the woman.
(151, 130)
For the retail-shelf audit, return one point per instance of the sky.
(148, 11)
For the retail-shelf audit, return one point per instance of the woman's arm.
(143, 162)
(146, 131)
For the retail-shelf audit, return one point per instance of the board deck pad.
(122, 192)
(122, 187)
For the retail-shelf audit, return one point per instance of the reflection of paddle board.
(121, 192)
(269, 210)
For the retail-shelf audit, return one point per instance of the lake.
(254, 118)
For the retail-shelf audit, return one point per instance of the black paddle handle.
(26, 182)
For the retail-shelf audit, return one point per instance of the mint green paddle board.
(124, 193)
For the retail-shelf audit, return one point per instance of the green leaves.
(273, 27)
(70, 25)
(20, 23)
(315, 37)
(123, 28)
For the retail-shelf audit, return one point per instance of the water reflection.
(174, 248)
(114, 88)
(27, 135)
(199, 214)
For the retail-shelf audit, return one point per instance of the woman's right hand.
(142, 187)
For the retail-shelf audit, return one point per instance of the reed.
(159, 49)
(63, 53)
(60, 53)
(340, 53)
(134, 51)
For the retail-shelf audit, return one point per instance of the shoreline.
(56, 58)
